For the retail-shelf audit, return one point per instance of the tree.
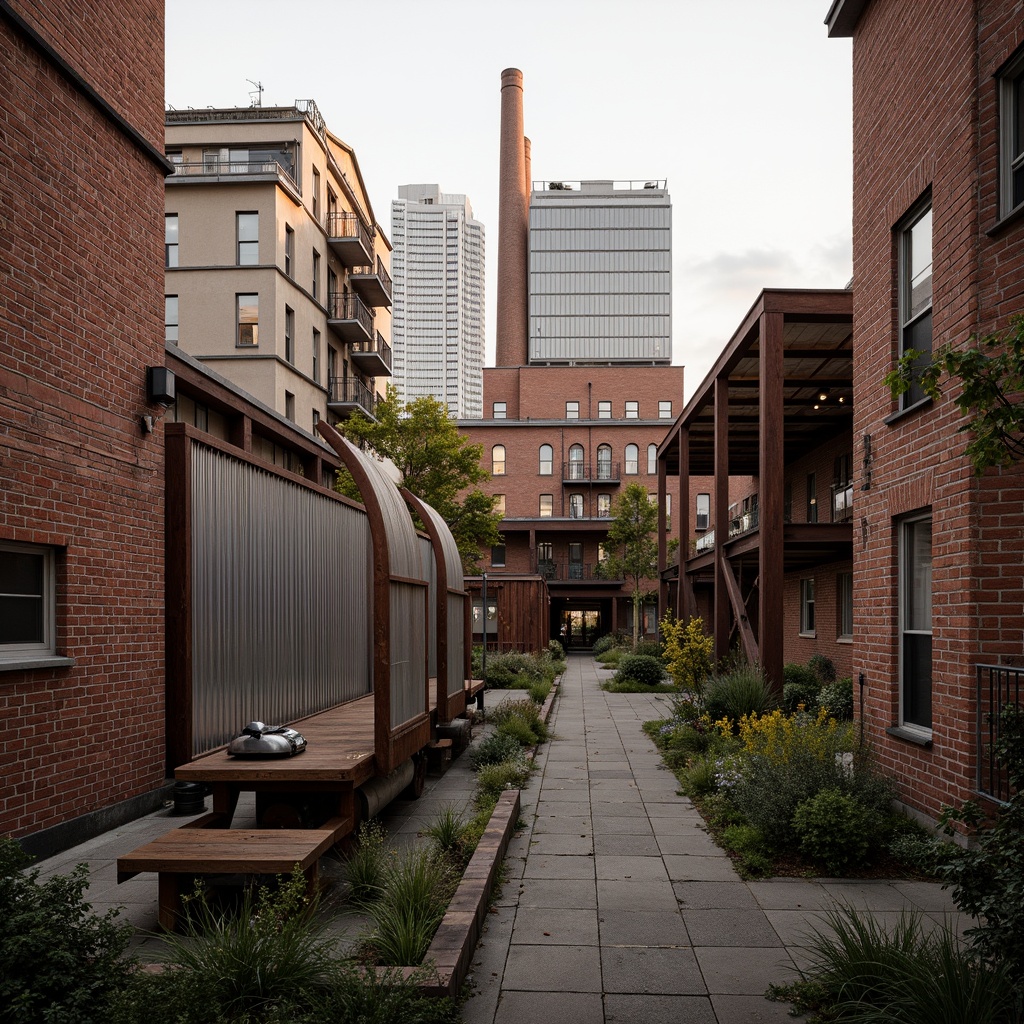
(990, 372)
(635, 552)
(437, 463)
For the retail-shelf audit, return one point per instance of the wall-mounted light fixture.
(160, 385)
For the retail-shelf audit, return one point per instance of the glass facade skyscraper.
(600, 272)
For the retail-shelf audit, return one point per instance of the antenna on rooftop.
(256, 98)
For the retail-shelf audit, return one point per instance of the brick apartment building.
(277, 273)
(81, 472)
(938, 255)
(768, 567)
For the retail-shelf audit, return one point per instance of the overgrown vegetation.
(689, 652)
(515, 670)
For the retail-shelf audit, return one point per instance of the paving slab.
(558, 1007)
(547, 926)
(539, 968)
(668, 970)
(642, 928)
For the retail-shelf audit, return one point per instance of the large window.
(500, 410)
(572, 410)
(703, 520)
(499, 504)
(915, 582)
(546, 506)
(844, 606)
(27, 600)
(652, 460)
(498, 460)
(289, 251)
(576, 468)
(915, 293)
(316, 275)
(575, 506)
(604, 462)
(170, 240)
(665, 410)
(171, 318)
(248, 320)
(546, 455)
(807, 607)
(604, 410)
(289, 334)
(1011, 136)
(632, 459)
(604, 506)
(248, 228)
(316, 356)
(632, 410)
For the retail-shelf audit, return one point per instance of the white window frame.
(699, 526)
(546, 509)
(907, 527)
(572, 410)
(498, 460)
(634, 461)
(545, 465)
(652, 460)
(665, 409)
(604, 410)
(632, 410)
(808, 622)
(1011, 149)
(911, 319)
(46, 646)
(500, 410)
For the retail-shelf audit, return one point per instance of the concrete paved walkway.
(618, 907)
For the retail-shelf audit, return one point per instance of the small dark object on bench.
(259, 740)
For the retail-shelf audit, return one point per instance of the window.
(316, 275)
(602, 552)
(289, 251)
(171, 318)
(812, 499)
(1011, 136)
(652, 459)
(572, 410)
(575, 560)
(604, 410)
(632, 459)
(547, 505)
(844, 606)
(664, 410)
(604, 462)
(500, 410)
(604, 506)
(703, 512)
(915, 294)
(575, 506)
(498, 460)
(546, 456)
(289, 334)
(316, 356)
(491, 625)
(248, 232)
(576, 468)
(289, 406)
(499, 504)
(316, 195)
(316, 419)
(27, 600)
(632, 410)
(842, 488)
(915, 585)
(807, 607)
(170, 240)
(248, 319)
(498, 554)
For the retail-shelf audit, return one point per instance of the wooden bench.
(197, 849)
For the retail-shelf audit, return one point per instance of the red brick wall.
(80, 320)
(942, 135)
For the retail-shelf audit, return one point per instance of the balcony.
(221, 170)
(350, 239)
(348, 395)
(372, 285)
(586, 472)
(705, 543)
(744, 522)
(842, 502)
(372, 359)
(562, 571)
(350, 320)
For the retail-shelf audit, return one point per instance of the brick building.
(938, 254)
(81, 472)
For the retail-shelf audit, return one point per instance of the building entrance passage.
(577, 624)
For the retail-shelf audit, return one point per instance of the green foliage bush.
(604, 643)
(640, 668)
(835, 829)
(800, 675)
(648, 649)
(519, 730)
(741, 690)
(799, 695)
(524, 710)
(512, 671)
(59, 961)
(556, 650)
(837, 699)
(823, 668)
(494, 749)
(364, 864)
(493, 779)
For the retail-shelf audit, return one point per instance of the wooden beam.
(721, 502)
(739, 609)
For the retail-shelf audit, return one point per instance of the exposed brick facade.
(80, 321)
(925, 117)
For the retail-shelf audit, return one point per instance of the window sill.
(844, 639)
(35, 661)
(1004, 222)
(809, 636)
(920, 739)
(895, 417)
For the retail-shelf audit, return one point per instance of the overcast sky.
(743, 106)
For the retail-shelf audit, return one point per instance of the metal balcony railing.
(565, 571)
(382, 275)
(587, 472)
(997, 686)
(704, 544)
(345, 306)
(744, 522)
(842, 502)
(379, 347)
(350, 391)
(223, 168)
(340, 224)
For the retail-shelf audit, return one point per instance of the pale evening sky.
(743, 106)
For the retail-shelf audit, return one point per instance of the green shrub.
(494, 749)
(640, 668)
(539, 691)
(378, 997)
(835, 829)
(799, 695)
(61, 962)
(742, 690)
(493, 779)
(512, 671)
(800, 675)
(699, 776)
(648, 649)
(556, 650)
(447, 832)
(365, 863)
(519, 729)
(603, 644)
(823, 668)
(747, 842)
(688, 652)
(524, 710)
(837, 699)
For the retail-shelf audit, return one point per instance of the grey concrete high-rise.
(600, 273)
(438, 314)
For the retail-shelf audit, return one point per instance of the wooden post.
(722, 620)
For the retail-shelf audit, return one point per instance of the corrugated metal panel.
(281, 599)
(408, 683)
(456, 642)
(428, 571)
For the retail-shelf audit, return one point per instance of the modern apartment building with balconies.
(277, 273)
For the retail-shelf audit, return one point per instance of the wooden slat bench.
(188, 851)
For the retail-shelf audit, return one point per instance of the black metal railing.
(587, 472)
(380, 347)
(562, 570)
(340, 224)
(351, 391)
(998, 685)
(222, 168)
(346, 306)
(379, 272)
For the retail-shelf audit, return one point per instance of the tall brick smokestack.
(513, 226)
